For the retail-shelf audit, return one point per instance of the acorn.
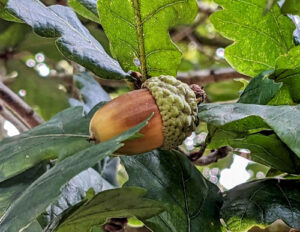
(173, 103)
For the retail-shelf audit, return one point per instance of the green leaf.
(86, 8)
(262, 202)
(257, 170)
(46, 189)
(290, 60)
(169, 176)
(288, 72)
(108, 169)
(248, 125)
(283, 120)
(291, 7)
(63, 135)
(34, 227)
(75, 191)
(260, 90)
(4, 13)
(74, 40)
(138, 32)
(259, 39)
(127, 202)
(282, 97)
(265, 149)
(91, 91)
(11, 189)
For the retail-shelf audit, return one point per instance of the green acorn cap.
(178, 108)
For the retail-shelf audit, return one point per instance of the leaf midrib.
(141, 45)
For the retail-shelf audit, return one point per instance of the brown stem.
(200, 77)
(212, 42)
(60, 2)
(213, 157)
(180, 34)
(6, 114)
(199, 92)
(203, 77)
(198, 154)
(19, 106)
(115, 225)
(137, 79)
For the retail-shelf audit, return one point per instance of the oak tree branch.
(213, 157)
(7, 115)
(16, 104)
(203, 77)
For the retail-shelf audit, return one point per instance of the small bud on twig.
(199, 92)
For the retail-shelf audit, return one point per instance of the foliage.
(46, 189)
(53, 179)
(270, 199)
(62, 136)
(127, 202)
(291, 7)
(75, 41)
(138, 33)
(193, 202)
(259, 39)
(261, 129)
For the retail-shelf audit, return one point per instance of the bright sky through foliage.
(236, 174)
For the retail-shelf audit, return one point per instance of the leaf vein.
(271, 37)
(160, 50)
(123, 19)
(161, 8)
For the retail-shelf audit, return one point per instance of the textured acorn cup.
(175, 114)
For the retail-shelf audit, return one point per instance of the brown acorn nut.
(175, 114)
(125, 112)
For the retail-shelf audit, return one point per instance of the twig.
(179, 35)
(120, 225)
(200, 77)
(115, 225)
(197, 155)
(6, 114)
(213, 157)
(199, 92)
(137, 79)
(203, 77)
(185, 35)
(19, 106)
(60, 2)
(213, 42)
